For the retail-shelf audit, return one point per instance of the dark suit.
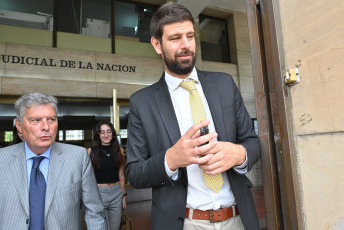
(153, 128)
(71, 183)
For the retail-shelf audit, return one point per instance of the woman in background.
(108, 163)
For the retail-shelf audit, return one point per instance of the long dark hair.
(115, 147)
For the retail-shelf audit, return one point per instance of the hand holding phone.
(204, 131)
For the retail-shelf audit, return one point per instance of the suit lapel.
(166, 110)
(165, 107)
(56, 164)
(19, 174)
(214, 101)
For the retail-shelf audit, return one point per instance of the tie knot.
(188, 85)
(37, 161)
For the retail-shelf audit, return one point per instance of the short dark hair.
(168, 13)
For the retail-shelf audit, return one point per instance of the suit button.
(27, 221)
(180, 219)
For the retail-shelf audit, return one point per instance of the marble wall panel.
(49, 63)
(128, 69)
(63, 88)
(2, 64)
(321, 170)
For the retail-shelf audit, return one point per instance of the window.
(31, 14)
(132, 20)
(93, 17)
(123, 123)
(8, 136)
(69, 16)
(214, 39)
(72, 135)
(96, 18)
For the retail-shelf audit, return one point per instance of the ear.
(18, 126)
(156, 44)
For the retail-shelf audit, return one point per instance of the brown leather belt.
(213, 215)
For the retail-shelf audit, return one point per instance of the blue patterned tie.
(37, 196)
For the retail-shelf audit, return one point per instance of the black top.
(108, 171)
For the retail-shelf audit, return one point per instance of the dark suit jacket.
(153, 128)
(71, 183)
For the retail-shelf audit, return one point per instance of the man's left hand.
(225, 156)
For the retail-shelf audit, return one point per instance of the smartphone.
(204, 131)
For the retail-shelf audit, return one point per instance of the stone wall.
(313, 40)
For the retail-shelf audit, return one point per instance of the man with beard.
(198, 181)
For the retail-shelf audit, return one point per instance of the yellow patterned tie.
(214, 182)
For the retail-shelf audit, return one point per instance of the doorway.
(273, 124)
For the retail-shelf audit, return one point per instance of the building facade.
(81, 50)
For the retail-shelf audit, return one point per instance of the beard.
(182, 67)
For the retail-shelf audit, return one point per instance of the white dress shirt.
(199, 196)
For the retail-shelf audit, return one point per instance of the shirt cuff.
(172, 174)
(242, 169)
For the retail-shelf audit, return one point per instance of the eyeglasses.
(109, 131)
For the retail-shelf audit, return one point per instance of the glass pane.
(145, 16)
(133, 20)
(126, 19)
(72, 135)
(8, 136)
(214, 39)
(88, 17)
(123, 123)
(96, 18)
(37, 14)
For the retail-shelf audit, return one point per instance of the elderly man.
(43, 184)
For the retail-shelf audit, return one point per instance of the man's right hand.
(185, 153)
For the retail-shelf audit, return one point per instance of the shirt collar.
(29, 154)
(174, 82)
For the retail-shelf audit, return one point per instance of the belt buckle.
(211, 217)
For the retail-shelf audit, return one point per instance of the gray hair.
(27, 100)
